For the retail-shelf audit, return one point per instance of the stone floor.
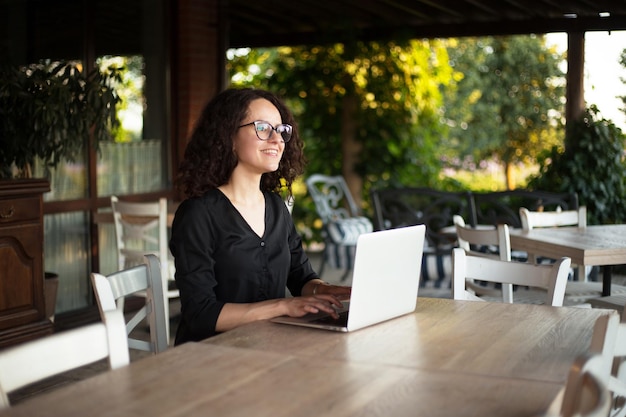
(431, 289)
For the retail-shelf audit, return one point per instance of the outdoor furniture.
(616, 302)
(547, 277)
(502, 207)
(409, 206)
(402, 367)
(142, 278)
(602, 245)
(557, 218)
(586, 393)
(492, 242)
(609, 339)
(141, 228)
(342, 222)
(35, 360)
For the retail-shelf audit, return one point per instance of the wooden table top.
(461, 358)
(506, 340)
(198, 379)
(591, 245)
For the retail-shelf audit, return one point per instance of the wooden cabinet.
(22, 310)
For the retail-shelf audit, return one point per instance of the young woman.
(235, 245)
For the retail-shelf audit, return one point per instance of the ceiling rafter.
(306, 21)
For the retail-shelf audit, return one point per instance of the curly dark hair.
(209, 159)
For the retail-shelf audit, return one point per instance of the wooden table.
(602, 245)
(442, 360)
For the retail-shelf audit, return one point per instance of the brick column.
(198, 65)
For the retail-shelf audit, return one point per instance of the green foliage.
(591, 165)
(48, 111)
(129, 89)
(414, 105)
(508, 106)
(396, 88)
(374, 104)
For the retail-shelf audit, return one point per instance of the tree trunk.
(508, 176)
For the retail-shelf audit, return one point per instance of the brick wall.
(198, 65)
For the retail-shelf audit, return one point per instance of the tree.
(591, 165)
(365, 110)
(508, 106)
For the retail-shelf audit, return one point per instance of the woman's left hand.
(339, 291)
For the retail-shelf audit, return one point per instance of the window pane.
(66, 253)
(130, 167)
(68, 181)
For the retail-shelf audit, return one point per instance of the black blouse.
(219, 259)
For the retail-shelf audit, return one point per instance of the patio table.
(601, 245)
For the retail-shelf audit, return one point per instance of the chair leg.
(321, 270)
(425, 276)
(440, 272)
(345, 274)
(167, 318)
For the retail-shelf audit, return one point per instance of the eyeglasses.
(264, 130)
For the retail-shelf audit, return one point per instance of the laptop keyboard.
(341, 321)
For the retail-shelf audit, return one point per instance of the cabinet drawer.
(19, 210)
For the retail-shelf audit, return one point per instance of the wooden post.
(575, 93)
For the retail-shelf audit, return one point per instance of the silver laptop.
(385, 281)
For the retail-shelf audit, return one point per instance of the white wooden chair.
(342, 222)
(549, 277)
(492, 242)
(609, 339)
(579, 288)
(140, 229)
(145, 278)
(572, 400)
(617, 383)
(35, 360)
(586, 393)
(541, 219)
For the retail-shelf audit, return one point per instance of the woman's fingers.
(331, 298)
(314, 304)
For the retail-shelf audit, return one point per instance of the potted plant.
(48, 112)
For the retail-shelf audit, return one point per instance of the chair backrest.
(409, 206)
(483, 240)
(609, 339)
(147, 278)
(342, 222)
(35, 360)
(502, 207)
(332, 197)
(494, 242)
(586, 392)
(141, 228)
(617, 383)
(552, 277)
(537, 219)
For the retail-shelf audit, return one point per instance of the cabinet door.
(22, 305)
(21, 276)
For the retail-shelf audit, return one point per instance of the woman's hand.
(339, 291)
(299, 306)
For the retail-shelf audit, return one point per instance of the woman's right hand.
(299, 306)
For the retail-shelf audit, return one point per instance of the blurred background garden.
(479, 114)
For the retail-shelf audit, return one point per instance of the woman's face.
(256, 155)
